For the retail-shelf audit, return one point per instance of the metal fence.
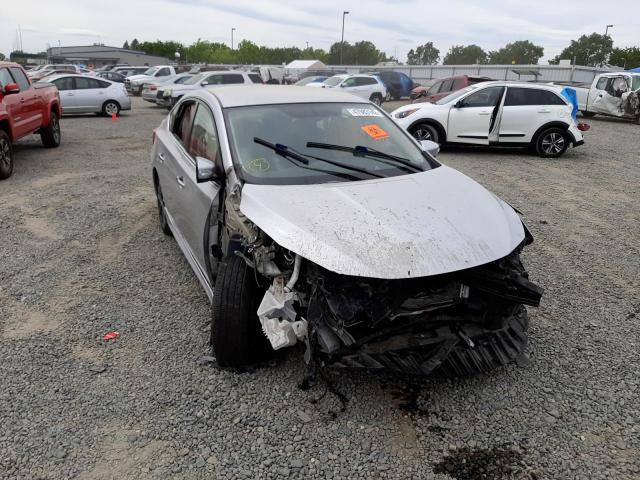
(540, 73)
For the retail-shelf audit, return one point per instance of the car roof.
(75, 75)
(242, 96)
(511, 83)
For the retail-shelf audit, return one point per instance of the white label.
(364, 112)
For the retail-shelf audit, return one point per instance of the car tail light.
(153, 88)
(583, 127)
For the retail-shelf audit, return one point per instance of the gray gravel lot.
(81, 254)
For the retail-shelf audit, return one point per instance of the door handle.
(69, 94)
(484, 113)
(544, 111)
(161, 157)
(22, 100)
(180, 181)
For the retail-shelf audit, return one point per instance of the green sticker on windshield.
(259, 165)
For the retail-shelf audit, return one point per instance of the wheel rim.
(55, 124)
(111, 108)
(5, 154)
(422, 134)
(553, 143)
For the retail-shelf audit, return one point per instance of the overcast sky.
(395, 26)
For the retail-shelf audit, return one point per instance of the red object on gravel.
(110, 336)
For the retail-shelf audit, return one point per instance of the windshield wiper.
(366, 151)
(290, 153)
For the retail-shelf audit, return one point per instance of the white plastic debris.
(278, 317)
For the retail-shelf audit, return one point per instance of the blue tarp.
(636, 70)
(571, 95)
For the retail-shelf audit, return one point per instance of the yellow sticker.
(375, 132)
(259, 165)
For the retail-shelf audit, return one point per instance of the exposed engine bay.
(460, 323)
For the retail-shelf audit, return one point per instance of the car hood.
(417, 225)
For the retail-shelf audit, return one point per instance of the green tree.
(425, 54)
(2, 57)
(465, 55)
(589, 50)
(360, 53)
(522, 52)
(134, 44)
(125, 45)
(625, 57)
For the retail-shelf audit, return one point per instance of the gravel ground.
(82, 254)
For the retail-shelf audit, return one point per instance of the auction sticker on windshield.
(375, 132)
(364, 112)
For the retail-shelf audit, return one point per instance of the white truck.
(134, 83)
(614, 94)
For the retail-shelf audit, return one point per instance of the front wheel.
(6, 156)
(110, 108)
(552, 143)
(425, 131)
(236, 336)
(50, 135)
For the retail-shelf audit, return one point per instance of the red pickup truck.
(25, 108)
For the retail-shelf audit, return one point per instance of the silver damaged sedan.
(310, 217)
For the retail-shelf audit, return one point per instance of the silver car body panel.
(91, 100)
(429, 223)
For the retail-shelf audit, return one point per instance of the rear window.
(232, 78)
(531, 96)
(255, 78)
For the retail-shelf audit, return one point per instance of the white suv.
(368, 87)
(497, 113)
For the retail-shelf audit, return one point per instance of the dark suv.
(398, 84)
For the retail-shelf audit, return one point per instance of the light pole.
(232, 30)
(307, 45)
(606, 32)
(344, 14)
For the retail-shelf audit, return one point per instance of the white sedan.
(368, 87)
(497, 113)
(85, 94)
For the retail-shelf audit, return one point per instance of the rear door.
(90, 94)
(472, 118)
(527, 109)
(66, 87)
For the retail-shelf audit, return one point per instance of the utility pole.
(344, 14)
(606, 32)
(233, 29)
(307, 45)
(20, 37)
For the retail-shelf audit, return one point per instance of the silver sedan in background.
(150, 89)
(85, 94)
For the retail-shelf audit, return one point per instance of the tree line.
(247, 52)
(588, 50)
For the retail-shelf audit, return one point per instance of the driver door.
(608, 96)
(472, 117)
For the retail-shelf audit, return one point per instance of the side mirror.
(204, 83)
(432, 148)
(206, 170)
(458, 104)
(11, 88)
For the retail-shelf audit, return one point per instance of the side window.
(368, 81)
(182, 80)
(163, 72)
(21, 79)
(435, 88)
(204, 138)
(5, 77)
(619, 86)
(98, 84)
(255, 78)
(231, 78)
(486, 97)
(447, 86)
(82, 83)
(602, 83)
(350, 82)
(182, 124)
(214, 79)
(64, 83)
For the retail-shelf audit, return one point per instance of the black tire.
(492, 349)
(425, 131)
(6, 156)
(236, 335)
(587, 114)
(376, 98)
(551, 143)
(110, 107)
(162, 213)
(50, 135)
